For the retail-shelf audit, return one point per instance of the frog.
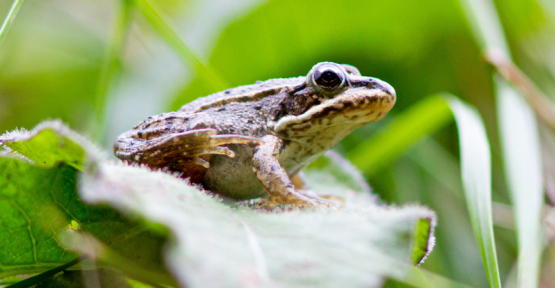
(251, 142)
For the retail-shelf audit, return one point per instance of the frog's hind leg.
(186, 152)
(193, 144)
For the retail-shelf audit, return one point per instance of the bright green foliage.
(423, 246)
(37, 205)
(50, 143)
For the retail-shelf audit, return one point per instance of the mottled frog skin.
(248, 142)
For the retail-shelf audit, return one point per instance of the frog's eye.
(328, 77)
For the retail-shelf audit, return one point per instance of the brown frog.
(248, 142)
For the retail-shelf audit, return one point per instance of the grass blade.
(9, 19)
(476, 177)
(520, 145)
(521, 151)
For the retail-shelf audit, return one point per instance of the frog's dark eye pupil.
(327, 79)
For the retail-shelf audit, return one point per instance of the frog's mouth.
(366, 100)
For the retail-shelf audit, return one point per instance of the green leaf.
(476, 178)
(37, 205)
(421, 119)
(423, 243)
(269, 247)
(50, 143)
(351, 247)
(338, 177)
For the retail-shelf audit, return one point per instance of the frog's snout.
(388, 89)
(375, 83)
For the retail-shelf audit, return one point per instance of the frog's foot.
(190, 147)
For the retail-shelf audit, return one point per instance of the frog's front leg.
(274, 178)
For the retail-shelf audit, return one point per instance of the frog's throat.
(360, 105)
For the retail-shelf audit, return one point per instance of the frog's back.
(247, 91)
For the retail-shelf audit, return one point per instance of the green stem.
(9, 19)
(166, 31)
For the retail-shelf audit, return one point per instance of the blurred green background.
(61, 59)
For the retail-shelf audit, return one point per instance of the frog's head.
(334, 97)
